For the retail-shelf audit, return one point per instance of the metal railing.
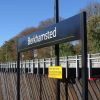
(70, 62)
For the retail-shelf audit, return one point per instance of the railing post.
(89, 75)
(37, 67)
(44, 66)
(66, 60)
(77, 67)
(25, 67)
(28, 65)
(51, 62)
(33, 66)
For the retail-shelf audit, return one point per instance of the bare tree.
(92, 9)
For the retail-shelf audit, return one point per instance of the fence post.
(37, 67)
(89, 75)
(28, 65)
(33, 66)
(66, 60)
(44, 66)
(25, 67)
(77, 67)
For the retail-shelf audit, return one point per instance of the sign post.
(18, 74)
(83, 33)
(73, 28)
(56, 15)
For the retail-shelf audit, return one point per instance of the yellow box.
(55, 72)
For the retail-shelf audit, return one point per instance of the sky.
(17, 15)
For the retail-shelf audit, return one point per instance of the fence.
(40, 87)
(69, 63)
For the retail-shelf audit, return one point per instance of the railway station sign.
(55, 72)
(73, 28)
(64, 31)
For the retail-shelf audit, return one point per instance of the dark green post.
(18, 75)
(56, 15)
(83, 32)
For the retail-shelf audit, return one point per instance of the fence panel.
(35, 86)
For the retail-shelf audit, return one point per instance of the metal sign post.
(18, 75)
(73, 28)
(56, 15)
(83, 33)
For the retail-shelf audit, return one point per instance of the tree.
(92, 9)
(66, 49)
(48, 22)
(93, 28)
(1, 55)
(94, 34)
(77, 48)
(8, 49)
